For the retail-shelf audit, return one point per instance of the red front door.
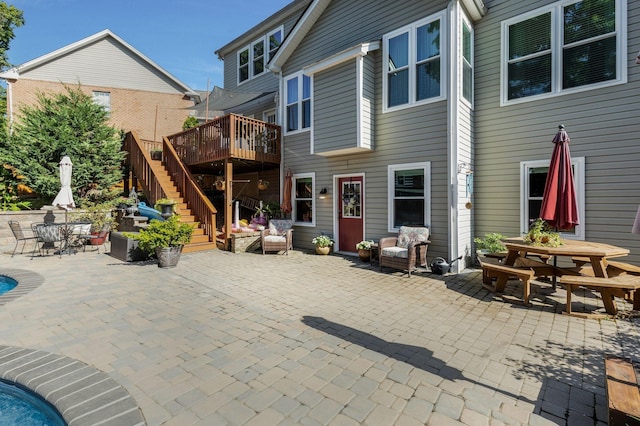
(350, 213)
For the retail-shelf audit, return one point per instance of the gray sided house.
(442, 113)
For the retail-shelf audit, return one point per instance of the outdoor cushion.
(410, 234)
(279, 226)
(395, 252)
(275, 239)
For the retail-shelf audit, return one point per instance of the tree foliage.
(190, 122)
(10, 18)
(66, 123)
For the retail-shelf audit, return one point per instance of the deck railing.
(231, 136)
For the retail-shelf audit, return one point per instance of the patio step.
(193, 247)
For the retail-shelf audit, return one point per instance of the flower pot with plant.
(100, 215)
(364, 250)
(541, 234)
(156, 154)
(490, 244)
(164, 239)
(323, 244)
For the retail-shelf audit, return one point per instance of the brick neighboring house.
(139, 94)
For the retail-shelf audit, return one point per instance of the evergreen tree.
(67, 123)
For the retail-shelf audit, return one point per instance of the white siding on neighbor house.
(367, 118)
(602, 124)
(105, 63)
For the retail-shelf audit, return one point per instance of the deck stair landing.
(199, 241)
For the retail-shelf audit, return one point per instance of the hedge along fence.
(26, 218)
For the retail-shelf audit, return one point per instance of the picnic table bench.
(492, 269)
(623, 396)
(624, 285)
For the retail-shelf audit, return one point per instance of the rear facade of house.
(442, 113)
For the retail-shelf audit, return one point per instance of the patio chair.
(96, 240)
(18, 233)
(47, 236)
(278, 236)
(406, 251)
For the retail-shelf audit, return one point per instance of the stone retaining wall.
(26, 218)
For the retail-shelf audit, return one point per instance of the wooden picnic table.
(595, 276)
(598, 253)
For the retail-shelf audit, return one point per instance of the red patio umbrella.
(559, 203)
(286, 195)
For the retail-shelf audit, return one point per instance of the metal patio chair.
(18, 233)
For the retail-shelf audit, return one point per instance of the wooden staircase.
(199, 241)
(170, 179)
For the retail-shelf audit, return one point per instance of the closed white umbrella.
(64, 199)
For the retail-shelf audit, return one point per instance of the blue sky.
(181, 36)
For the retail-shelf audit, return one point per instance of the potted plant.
(364, 250)
(263, 184)
(323, 244)
(165, 239)
(156, 154)
(166, 207)
(491, 243)
(101, 218)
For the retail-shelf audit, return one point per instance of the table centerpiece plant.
(541, 234)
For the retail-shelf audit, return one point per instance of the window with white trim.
(533, 176)
(409, 192)
(303, 205)
(103, 99)
(565, 47)
(467, 61)
(298, 102)
(413, 64)
(253, 59)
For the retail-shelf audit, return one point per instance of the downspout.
(452, 123)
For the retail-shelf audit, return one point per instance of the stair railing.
(140, 161)
(197, 201)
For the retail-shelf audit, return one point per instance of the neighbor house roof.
(15, 72)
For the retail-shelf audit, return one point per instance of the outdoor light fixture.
(323, 193)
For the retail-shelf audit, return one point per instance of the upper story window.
(467, 61)
(413, 61)
(103, 99)
(298, 102)
(253, 59)
(566, 47)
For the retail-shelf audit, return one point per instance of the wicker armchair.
(278, 236)
(406, 251)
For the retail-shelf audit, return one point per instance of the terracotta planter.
(364, 255)
(323, 250)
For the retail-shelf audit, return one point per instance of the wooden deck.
(228, 138)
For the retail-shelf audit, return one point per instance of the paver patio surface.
(247, 339)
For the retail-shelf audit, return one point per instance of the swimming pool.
(7, 284)
(19, 406)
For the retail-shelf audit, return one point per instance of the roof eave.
(475, 8)
(297, 34)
